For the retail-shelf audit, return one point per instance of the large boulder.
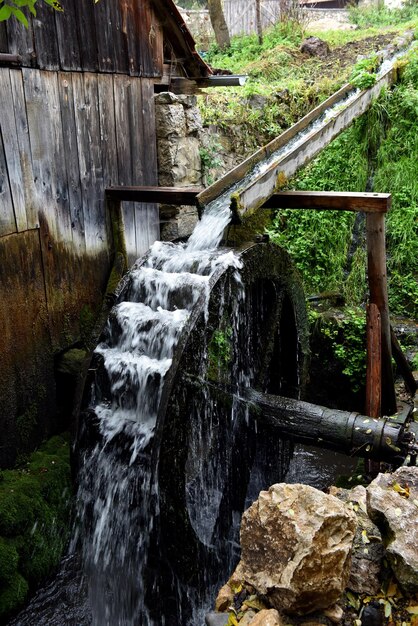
(295, 547)
(392, 503)
(368, 551)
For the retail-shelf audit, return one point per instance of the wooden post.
(373, 374)
(376, 270)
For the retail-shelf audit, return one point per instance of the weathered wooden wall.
(64, 137)
(118, 36)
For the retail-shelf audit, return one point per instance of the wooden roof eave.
(176, 31)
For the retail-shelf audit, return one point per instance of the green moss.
(254, 224)
(9, 559)
(220, 353)
(87, 323)
(34, 521)
(13, 595)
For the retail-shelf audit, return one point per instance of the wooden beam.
(330, 201)
(318, 200)
(374, 362)
(161, 195)
(10, 59)
(376, 272)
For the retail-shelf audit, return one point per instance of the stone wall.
(178, 129)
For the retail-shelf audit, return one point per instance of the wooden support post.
(376, 269)
(373, 374)
(374, 363)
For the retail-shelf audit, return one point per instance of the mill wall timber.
(64, 138)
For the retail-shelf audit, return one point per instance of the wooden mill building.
(77, 116)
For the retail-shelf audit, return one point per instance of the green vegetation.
(220, 353)
(34, 521)
(381, 147)
(382, 16)
(13, 8)
(283, 83)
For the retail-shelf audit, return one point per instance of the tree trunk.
(218, 22)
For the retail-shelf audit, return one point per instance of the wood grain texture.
(378, 295)
(32, 199)
(7, 218)
(330, 201)
(71, 157)
(374, 362)
(68, 37)
(11, 149)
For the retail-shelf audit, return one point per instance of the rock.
(266, 617)
(224, 598)
(216, 619)
(334, 613)
(392, 503)
(315, 47)
(295, 547)
(372, 615)
(368, 550)
(170, 120)
(166, 97)
(255, 101)
(248, 617)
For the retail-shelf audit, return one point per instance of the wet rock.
(315, 47)
(216, 619)
(296, 543)
(368, 550)
(392, 503)
(372, 615)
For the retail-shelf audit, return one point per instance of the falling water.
(118, 499)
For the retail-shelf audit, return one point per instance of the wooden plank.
(45, 35)
(32, 200)
(69, 129)
(4, 47)
(11, 149)
(123, 146)
(108, 134)
(112, 51)
(374, 362)
(238, 173)
(330, 201)
(87, 36)
(7, 218)
(378, 295)
(86, 109)
(150, 40)
(131, 29)
(163, 195)
(21, 42)
(68, 44)
(47, 144)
